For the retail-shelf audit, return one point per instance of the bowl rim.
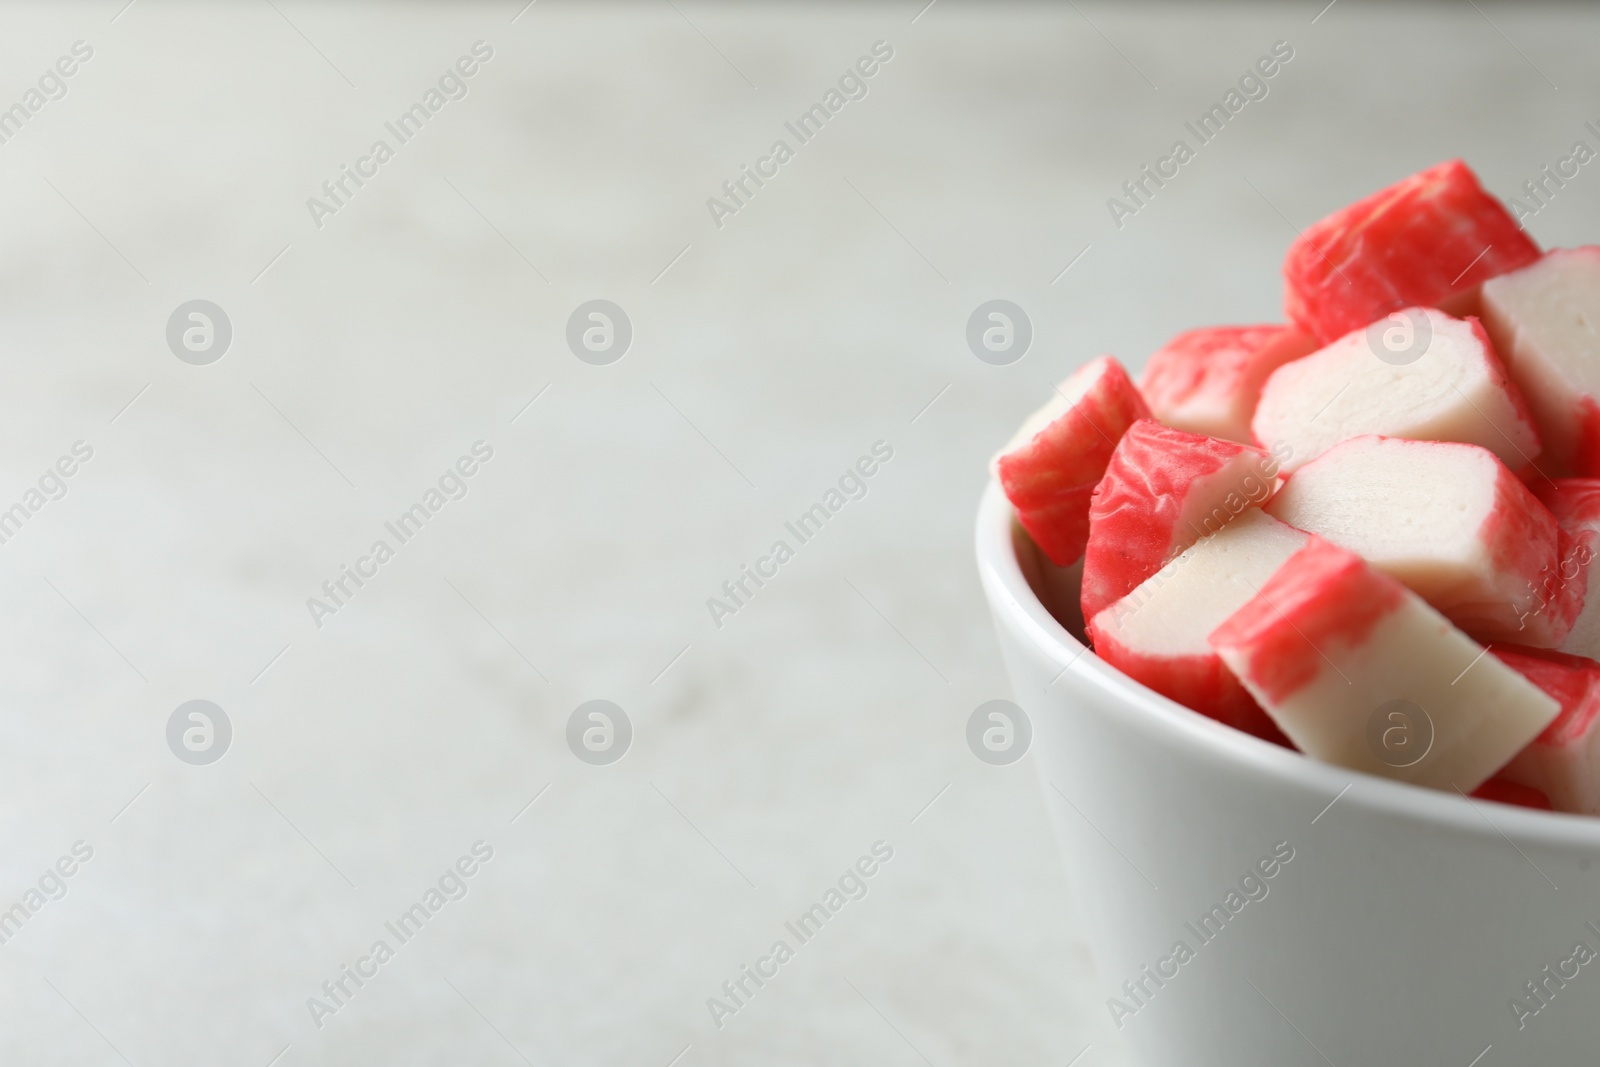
(1203, 739)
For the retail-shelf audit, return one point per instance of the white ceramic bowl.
(1400, 932)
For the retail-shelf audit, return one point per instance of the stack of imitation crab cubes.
(1370, 534)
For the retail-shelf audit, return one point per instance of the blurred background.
(359, 339)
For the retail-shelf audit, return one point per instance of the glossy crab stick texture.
(1164, 490)
(1419, 374)
(1545, 321)
(1448, 520)
(1563, 762)
(1430, 239)
(1360, 672)
(1208, 380)
(1575, 505)
(1157, 633)
(1050, 468)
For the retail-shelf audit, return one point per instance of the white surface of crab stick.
(1449, 521)
(1545, 321)
(1419, 374)
(1157, 634)
(1360, 672)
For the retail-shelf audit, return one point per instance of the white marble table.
(373, 345)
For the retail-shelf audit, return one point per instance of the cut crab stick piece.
(1360, 672)
(1575, 505)
(1448, 520)
(1157, 633)
(1563, 762)
(1432, 239)
(1419, 374)
(1208, 380)
(1050, 468)
(1545, 321)
(1164, 490)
